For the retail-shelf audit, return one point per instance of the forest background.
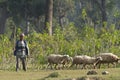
(73, 27)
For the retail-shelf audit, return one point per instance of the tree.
(103, 10)
(62, 8)
(27, 11)
(102, 7)
(49, 16)
(3, 16)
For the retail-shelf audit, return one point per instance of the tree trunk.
(48, 17)
(103, 10)
(3, 17)
(102, 6)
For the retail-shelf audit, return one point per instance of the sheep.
(77, 60)
(56, 59)
(91, 60)
(107, 58)
(85, 60)
(66, 62)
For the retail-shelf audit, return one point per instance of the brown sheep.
(107, 58)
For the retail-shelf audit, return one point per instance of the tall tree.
(49, 16)
(103, 10)
(3, 16)
(102, 6)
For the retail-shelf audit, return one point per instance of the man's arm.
(27, 48)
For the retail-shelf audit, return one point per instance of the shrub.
(54, 75)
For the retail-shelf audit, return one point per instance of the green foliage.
(68, 40)
(84, 14)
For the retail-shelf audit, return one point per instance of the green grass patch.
(58, 74)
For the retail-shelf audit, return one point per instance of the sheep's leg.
(55, 66)
(63, 62)
(51, 66)
(63, 66)
(94, 66)
(90, 66)
(114, 64)
(60, 66)
(79, 65)
(76, 66)
(98, 65)
(83, 67)
(48, 65)
(71, 65)
(66, 66)
(108, 65)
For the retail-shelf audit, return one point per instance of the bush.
(53, 75)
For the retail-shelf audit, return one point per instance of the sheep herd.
(57, 61)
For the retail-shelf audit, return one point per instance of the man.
(21, 52)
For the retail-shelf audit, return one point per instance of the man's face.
(21, 37)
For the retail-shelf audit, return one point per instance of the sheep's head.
(64, 58)
(99, 58)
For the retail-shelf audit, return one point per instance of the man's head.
(22, 36)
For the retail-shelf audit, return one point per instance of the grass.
(57, 74)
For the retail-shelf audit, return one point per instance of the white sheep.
(85, 60)
(56, 59)
(108, 58)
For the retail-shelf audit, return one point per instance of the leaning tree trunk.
(3, 18)
(49, 16)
